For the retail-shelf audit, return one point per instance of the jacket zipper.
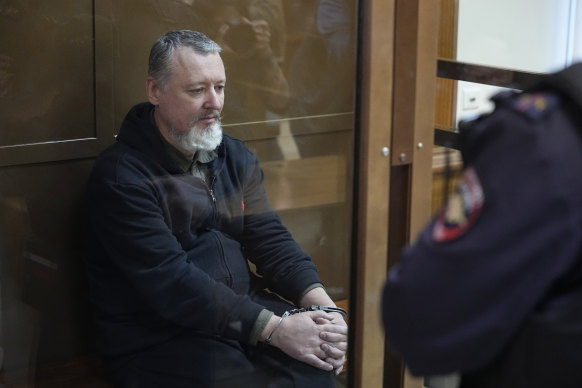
(211, 189)
(215, 217)
(223, 258)
(215, 233)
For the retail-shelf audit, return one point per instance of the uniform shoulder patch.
(535, 105)
(462, 208)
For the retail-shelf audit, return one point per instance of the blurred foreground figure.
(492, 288)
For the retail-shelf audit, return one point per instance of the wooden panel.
(443, 183)
(447, 47)
(303, 183)
(104, 74)
(412, 134)
(45, 311)
(45, 68)
(446, 94)
(421, 189)
(377, 27)
(82, 371)
(416, 50)
(447, 35)
(420, 207)
(47, 82)
(300, 126)
(404, 81)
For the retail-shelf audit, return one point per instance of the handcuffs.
(327, 309)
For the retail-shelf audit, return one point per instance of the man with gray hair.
(176, 210)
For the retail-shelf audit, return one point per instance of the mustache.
(214, 114)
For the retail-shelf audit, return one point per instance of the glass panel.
(289, 96)
(290, 99)
(47, 93)
(45, 318)
(46, 71)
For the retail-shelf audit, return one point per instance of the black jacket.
(168, 253)
(492, 287)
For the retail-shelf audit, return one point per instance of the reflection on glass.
(290, 69)
(289, 96)
(46, 71)
(321, 71)
(44, 314)
(251, 34)
(19, 342)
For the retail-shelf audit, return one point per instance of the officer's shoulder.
(528, 105)
(549, 92)
(533, 105)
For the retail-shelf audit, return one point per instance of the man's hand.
(300, 336)
(334, 331)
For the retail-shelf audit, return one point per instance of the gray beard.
(195, 139)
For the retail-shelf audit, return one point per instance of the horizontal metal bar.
(446, 138)
(481, 74)
(486, 74)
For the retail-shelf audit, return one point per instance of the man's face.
(188, 107)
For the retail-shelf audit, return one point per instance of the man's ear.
(153, 90)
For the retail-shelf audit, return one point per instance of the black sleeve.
(464, 288)
(287, 269)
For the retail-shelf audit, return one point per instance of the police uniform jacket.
(492, 287)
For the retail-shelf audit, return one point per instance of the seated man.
(176, 210)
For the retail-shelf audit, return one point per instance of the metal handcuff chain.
(328, 309)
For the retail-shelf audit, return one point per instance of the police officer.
(492, 288)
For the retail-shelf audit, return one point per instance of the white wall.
(529, 35)
(577, 32)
